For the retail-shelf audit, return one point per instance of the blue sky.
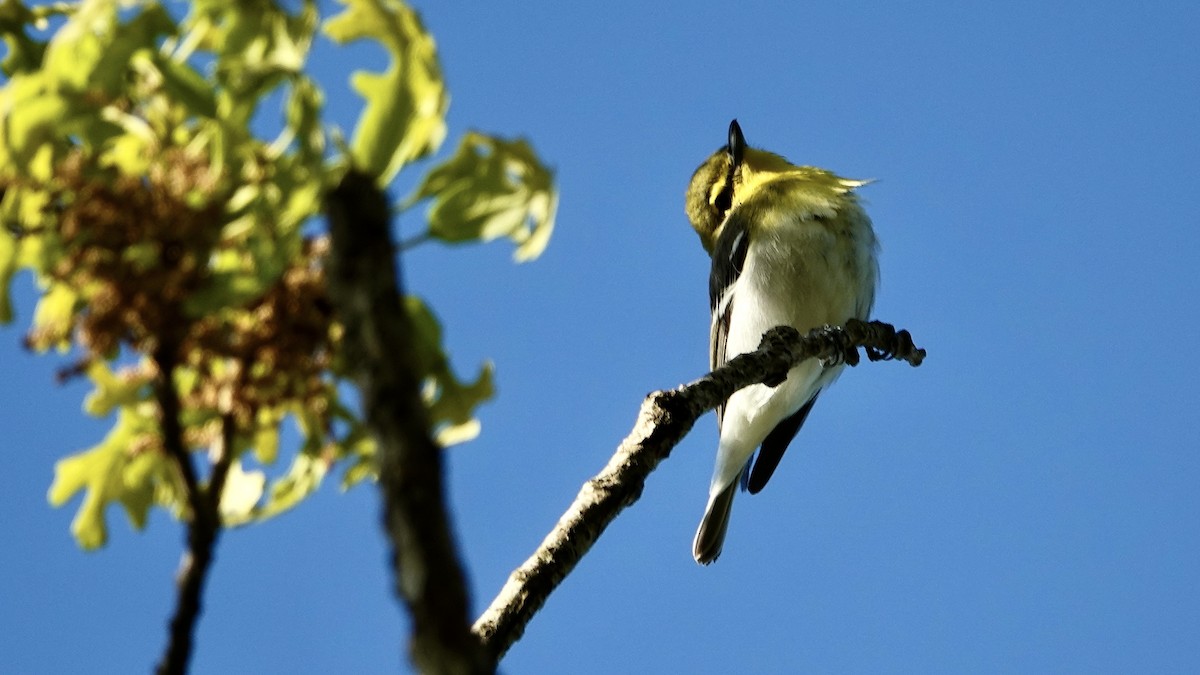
(1024, 502)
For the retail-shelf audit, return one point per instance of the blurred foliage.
(491, 188)
(135, 189)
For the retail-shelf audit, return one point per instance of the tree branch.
(203, 522)
(664, 419)
(378, 348)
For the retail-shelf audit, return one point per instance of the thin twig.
(379, 350)
(664, 419)
(203, 522)
(413, 242)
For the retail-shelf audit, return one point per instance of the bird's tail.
(710, 536)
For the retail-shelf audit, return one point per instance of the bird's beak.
(737, 143)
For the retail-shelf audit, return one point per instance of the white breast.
(828, 263)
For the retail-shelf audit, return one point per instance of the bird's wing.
(729, 257)
(773, 447)
(729, 254)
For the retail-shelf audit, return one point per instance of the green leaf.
(303, 116)
(31, 117)
(111, 471)
(266, 435)
(129, 153)
(125, 388)
(257, 45)
(362, 469)
(427, 334)
(54, 317)
(24, 53)
(21, 219)
(298, 196)
(361, 447)
(148, 478)
(404, 114)
(85, 67)
(75, 51)
(97, 471)
(491, 188)
(452, 404)
(236, 278)
(304, 477)
(184, 84)
(454, 434)
(93, 49)
(450, 401)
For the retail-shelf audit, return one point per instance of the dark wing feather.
(773, 447)
(729, 255)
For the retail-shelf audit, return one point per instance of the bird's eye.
(724, 199)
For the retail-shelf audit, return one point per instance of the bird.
(790, 246)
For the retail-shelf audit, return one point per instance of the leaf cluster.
(137, 189)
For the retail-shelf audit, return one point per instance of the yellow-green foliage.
(136, 191)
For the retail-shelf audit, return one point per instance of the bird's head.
(727, 178)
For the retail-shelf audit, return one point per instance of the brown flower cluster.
(136, 249)
(274, 351)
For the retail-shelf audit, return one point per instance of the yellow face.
(710, 196)
(727, 178)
